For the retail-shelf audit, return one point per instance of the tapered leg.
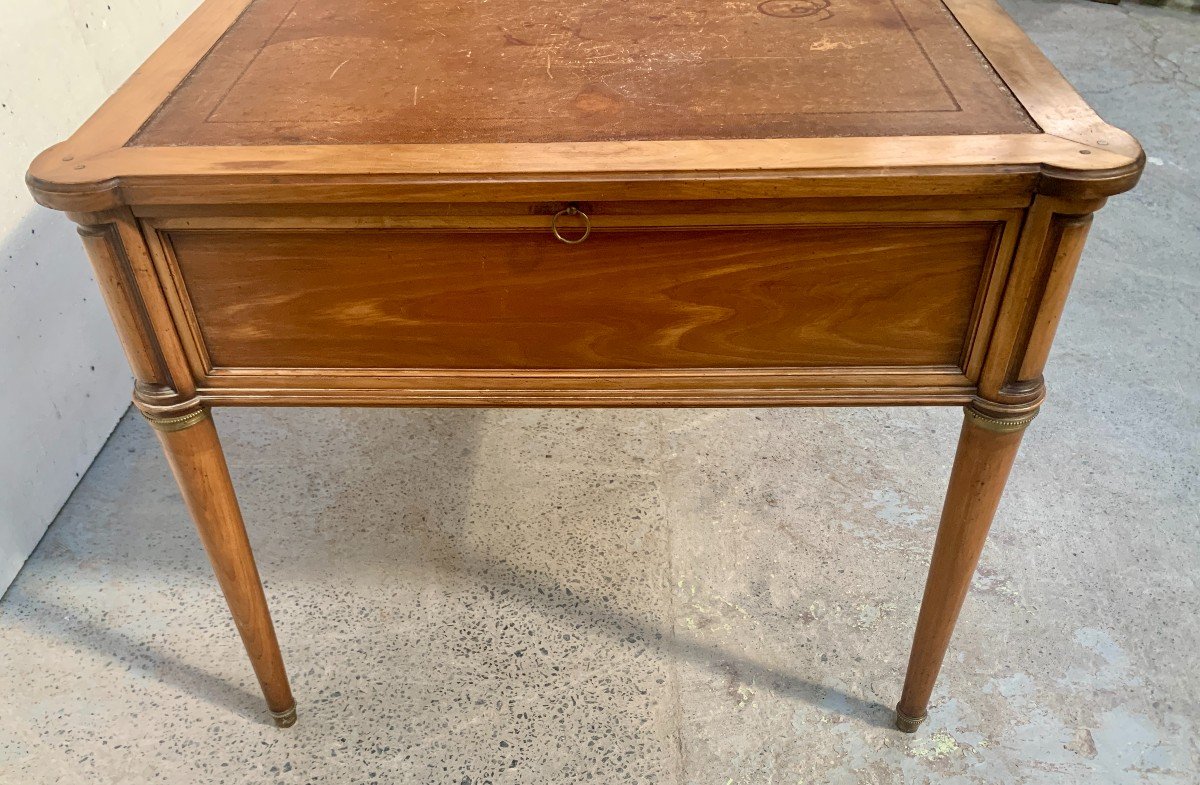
(194, 453)
(986, 449)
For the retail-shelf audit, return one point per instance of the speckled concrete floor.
(671, 596)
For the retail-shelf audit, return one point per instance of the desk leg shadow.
(986, 450)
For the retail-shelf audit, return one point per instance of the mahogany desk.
(597, 203)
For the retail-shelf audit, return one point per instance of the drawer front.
(627, 298)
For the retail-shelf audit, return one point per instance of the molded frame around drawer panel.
(895, 309)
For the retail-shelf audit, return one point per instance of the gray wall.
(63, 380)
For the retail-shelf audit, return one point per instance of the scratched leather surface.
(419, 71)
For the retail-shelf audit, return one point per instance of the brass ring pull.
(587, 225)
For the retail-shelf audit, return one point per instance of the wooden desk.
(780, 203)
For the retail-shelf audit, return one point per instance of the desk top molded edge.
(1078, 155)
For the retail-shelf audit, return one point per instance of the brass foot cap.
(908, 724)
(285, 718)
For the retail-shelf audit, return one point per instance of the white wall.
(64, 382)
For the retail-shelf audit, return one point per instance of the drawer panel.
(627, 298)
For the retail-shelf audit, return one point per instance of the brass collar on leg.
(1000, 424)
(176, 422)
(906, 723)
(285, 718)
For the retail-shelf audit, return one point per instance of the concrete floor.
(672, 596)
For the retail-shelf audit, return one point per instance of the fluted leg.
(194, 453)
(986, 449)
